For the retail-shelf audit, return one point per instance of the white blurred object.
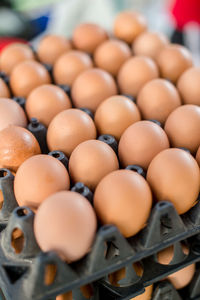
(192, 41)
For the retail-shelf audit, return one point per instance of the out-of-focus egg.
(16, 145)
(87, 37)
(149, 44)
(13, 54)
(115, 114)
(45, 102)
(189, 87)
(128, 25)
(173, 60)
(11, 113)
(26, 76)
(141, 142)
(134, 73)
(66, 296)
(91, 161)
(69, 65)
(91, 87)
(198, 156)
(183, 126)
(4, 91)
(111, 54)
(146, 295)
(86, 290)
(157, 99)
(68, 129)
(51, 47)
(174, 176)
(72, 228)
(123, 198)
(39, 177)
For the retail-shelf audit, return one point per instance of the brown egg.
(68, 129)
(141, 142)
(51, 47)
(13, 54)
(123, 198)
(66, 296)
(173, 60)
(91, 87)
(189, 87)
(87, 37)
(174, 176)
(45, 102)
(134, 73)
(69, 65)
(128, 25)
(4, 91)
(91, 161)
(111, 54)
(183, 126)
(11, 113)
(198, 156)
(86, 291)
(115, 114)
(157, 99)
(26, 76)
(16, 145)
(39, 177)
(72, 228)
(146, 295)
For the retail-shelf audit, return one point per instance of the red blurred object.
(6, 41)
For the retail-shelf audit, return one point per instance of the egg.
(69, 65)
(90, 161)
(11, 113)
(26, 76)
(51, 47)
(123, 198)
(157, 99)
(66, 296)
(174, 176)
(16, 145)
(72, 228)
(111, 54)
(149, 44)
(13, 54)
(4, 90)
(115, 114)
(91, 87)
(140, 143)
(87, 37)
(37, 178)
(146, 295)
(182, 127)
(45, 102)
(128, 25)
(173, 60)
(68, 129)
(198, 156)
(134, 73)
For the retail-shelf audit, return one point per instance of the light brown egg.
(68, 129)
(45, 102)
(182, 127)
(86, 290)
(87, 37)
(72, 228)
(91, 87)
(134, 73)
(13, 54)
(111, 54)
(157, 99)
(128, 25)
(90, 161)
(174, 176)
(26, 76)
(16, 145)
(189, 87)
(39, 177)
(11, 113)
(198, 156)
(149, 44)
(4, 91)
(123, 198)
(69, 65)
(51, 47)
(140, 143)
(173, 60)
(66, 296)
(115, 114)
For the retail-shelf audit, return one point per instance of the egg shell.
(86, 291)
(72, 228)
(4, 91)
(174, 176)
(146, 295)
(66, 296)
